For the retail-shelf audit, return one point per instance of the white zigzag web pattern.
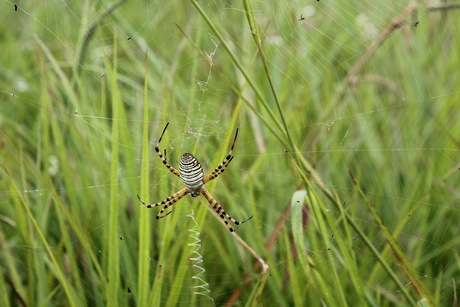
(201, 287)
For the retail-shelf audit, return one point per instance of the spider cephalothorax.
(191, 173)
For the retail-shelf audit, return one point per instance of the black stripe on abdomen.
(191, 171)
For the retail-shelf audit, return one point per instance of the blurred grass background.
(362, 96)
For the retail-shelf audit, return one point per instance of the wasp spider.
(191, 173)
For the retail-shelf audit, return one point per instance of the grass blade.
(112, 252)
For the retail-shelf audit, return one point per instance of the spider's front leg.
(163, 158)
(221, 168)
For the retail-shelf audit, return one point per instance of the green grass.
(361, 209)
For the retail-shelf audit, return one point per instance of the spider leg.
(219, 210)
(218, 171)
(163, 158)
(171, 200)
(221, 168)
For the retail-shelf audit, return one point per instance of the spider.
(191, 173)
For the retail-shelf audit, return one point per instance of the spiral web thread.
(201, 287)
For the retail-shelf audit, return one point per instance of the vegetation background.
(361, 210)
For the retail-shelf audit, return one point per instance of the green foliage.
(361, 209)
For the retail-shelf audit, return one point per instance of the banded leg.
(171, 200)
(218, 171)
(223, 215)
(163, 158)
(221, 168)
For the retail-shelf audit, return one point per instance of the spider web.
(394, 125)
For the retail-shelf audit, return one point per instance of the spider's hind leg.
(238, 223)
(242, 222)
(171, 200)
(219, 210)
